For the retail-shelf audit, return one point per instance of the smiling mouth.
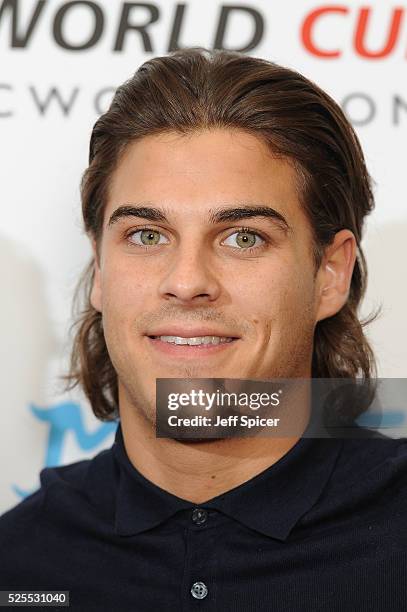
(196, 341)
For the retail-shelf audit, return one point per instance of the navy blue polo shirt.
(324, 528)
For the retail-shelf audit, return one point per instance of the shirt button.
(199, 516)
(199, 590)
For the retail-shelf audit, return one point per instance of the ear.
(96, 291)
(335, 274)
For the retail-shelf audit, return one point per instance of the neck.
(198, 470)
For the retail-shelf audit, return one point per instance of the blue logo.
(61, 419)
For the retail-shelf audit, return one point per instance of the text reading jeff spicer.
(207, 401)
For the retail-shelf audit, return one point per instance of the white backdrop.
(58, 74)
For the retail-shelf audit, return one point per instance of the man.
(224, 200)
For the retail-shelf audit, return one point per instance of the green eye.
(148, 237)
(244, 239)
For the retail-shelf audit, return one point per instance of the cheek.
(124, 289)
(279, 307)
(123, 300)
(278, 292)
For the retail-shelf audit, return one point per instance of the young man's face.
(189, 276)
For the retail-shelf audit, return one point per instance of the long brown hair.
(194, 89)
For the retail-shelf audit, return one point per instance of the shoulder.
(65, 492)
(370, 471)
(66, 508)
(364, 503)
(25, 532)
(26, 512)
(368, 455)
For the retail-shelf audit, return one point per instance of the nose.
(189, 277)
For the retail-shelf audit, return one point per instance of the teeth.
(197, 340)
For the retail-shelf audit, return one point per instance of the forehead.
(188, 174)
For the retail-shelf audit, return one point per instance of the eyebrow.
(215, 215)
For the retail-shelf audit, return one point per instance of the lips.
(194, 341)
(184, 350)
(188, 332)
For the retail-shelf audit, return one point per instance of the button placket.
(198, 579)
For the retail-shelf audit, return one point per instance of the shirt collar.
(271, 502)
